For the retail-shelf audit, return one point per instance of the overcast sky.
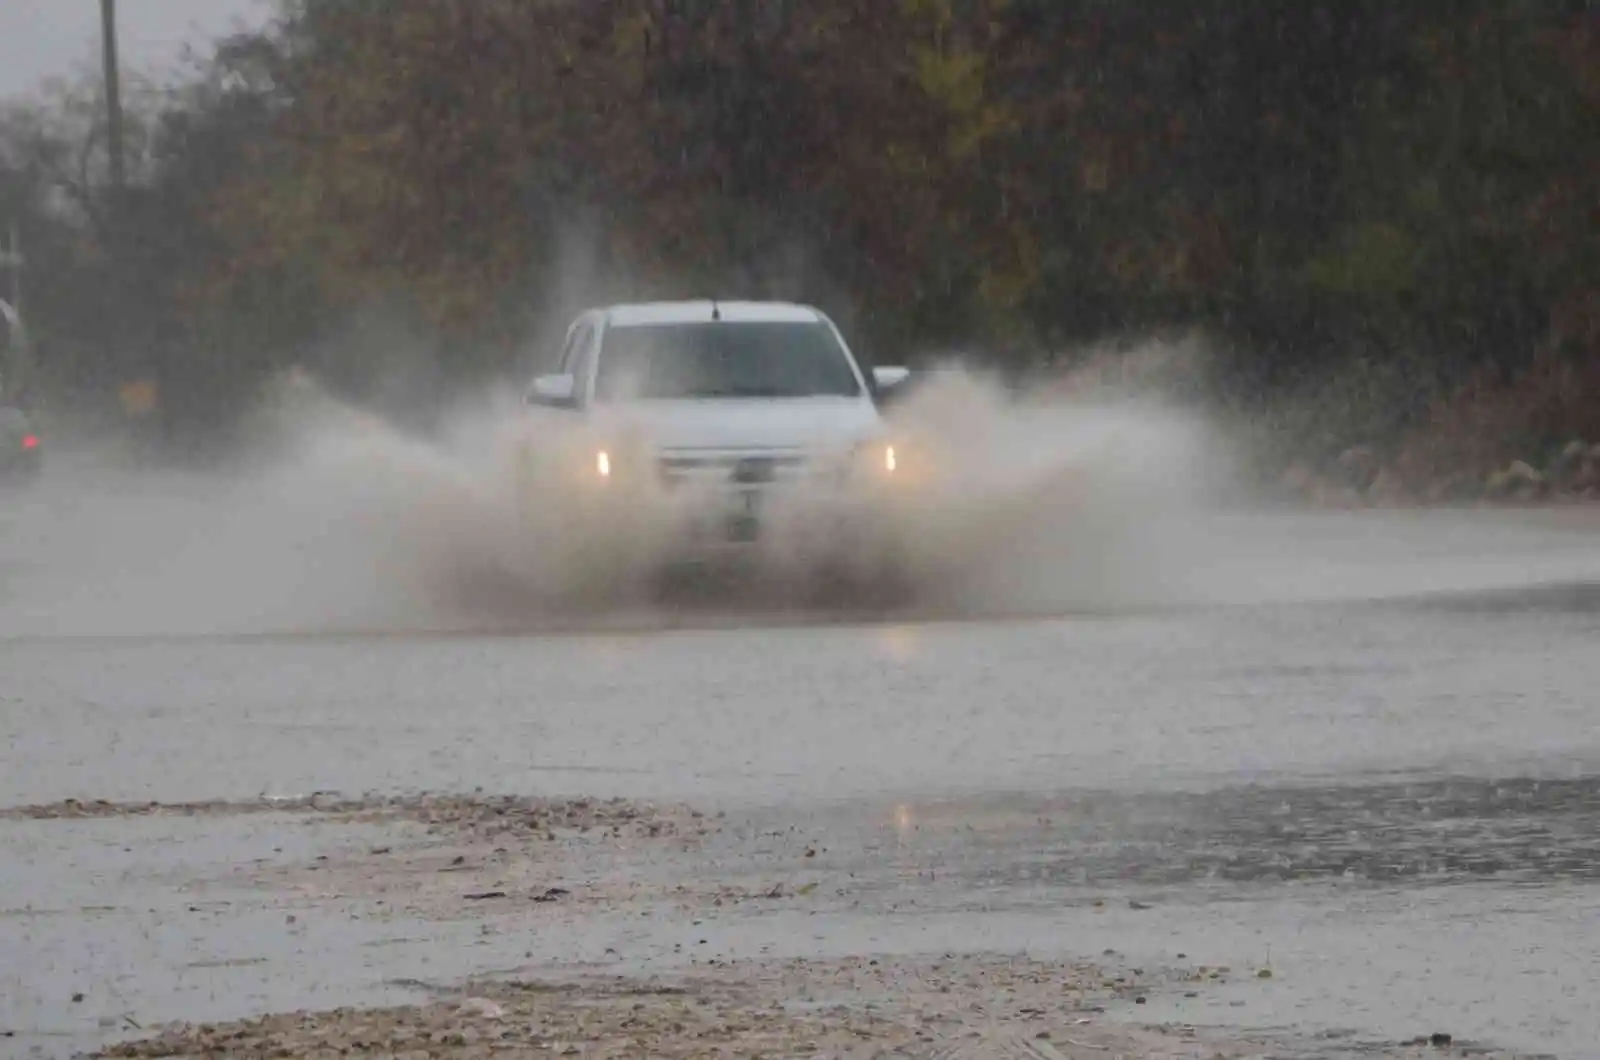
(46, 38)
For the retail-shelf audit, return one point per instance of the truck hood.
(732, 425)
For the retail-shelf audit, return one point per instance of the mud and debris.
(477, 816)
(930, 1006)
(944, 1007)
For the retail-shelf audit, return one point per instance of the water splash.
(1032, 504)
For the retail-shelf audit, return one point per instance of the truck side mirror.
(552, 391)
(889, 378)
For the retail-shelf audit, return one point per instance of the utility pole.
(108, 37)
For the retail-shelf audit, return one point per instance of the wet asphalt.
(1390, 801)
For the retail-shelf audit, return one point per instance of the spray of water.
(342, 519)
(1005, 505)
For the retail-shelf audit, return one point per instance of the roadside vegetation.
(1378, 220)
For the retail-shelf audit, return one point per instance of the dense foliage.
(1396, 195)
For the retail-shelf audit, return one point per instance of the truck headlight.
(602, 463)
(875, 460)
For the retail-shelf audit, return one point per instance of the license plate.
(743, 523)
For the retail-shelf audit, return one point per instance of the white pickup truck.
(724, 407)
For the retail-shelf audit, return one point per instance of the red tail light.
(30, 441)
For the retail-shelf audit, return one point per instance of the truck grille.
(731, 469)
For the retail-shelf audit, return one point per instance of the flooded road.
(1376, 786)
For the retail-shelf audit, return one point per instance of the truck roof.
(642, 314)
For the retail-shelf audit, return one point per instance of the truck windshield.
(726, 359)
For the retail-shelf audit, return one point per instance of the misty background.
(1345, 224)
(41, 40)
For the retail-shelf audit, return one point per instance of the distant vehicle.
(731, 404)
(21, 455)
